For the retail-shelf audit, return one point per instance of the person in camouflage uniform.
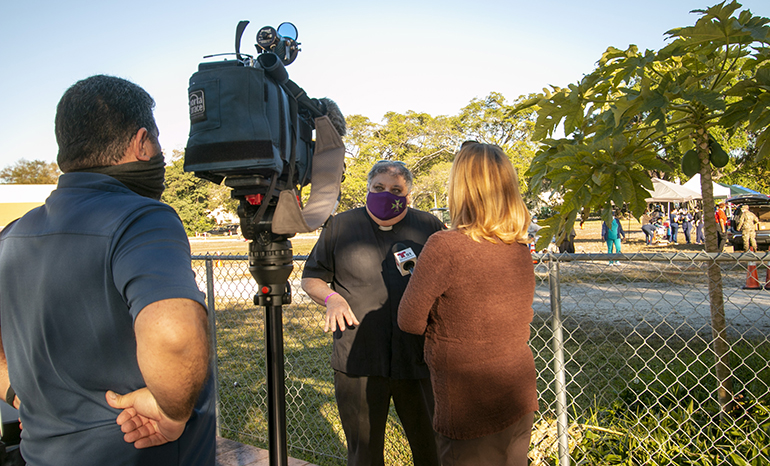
(748, 225)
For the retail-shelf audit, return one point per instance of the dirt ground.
(622, 296)
(589, 239)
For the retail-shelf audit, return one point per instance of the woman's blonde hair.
(484, 197)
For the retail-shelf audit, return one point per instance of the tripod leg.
(276, 392)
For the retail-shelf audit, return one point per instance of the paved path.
(230, 453)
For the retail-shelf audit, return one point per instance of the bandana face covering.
(144, 178)
(385, 205)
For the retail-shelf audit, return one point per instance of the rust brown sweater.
(473, 302)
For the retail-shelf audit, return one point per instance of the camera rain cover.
(328, 163)
(239, 122)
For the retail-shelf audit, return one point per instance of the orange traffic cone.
(752, 280)
(532, 251)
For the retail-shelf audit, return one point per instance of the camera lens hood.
(273, 66)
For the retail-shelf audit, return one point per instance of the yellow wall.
(13, 210)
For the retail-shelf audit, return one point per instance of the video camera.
(251, 127)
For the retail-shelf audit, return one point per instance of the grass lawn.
(301, 244)
(619, 384)
(632, 394)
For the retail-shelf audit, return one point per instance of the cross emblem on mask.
(396, 206)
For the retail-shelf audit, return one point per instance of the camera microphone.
(405, 258)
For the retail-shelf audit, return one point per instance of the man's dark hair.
(97, 118)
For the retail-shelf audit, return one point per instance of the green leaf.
(622, 107)
(763, 142)
(738, 460)
(626, 185)
(711, 100)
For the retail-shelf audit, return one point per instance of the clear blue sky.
(370, 57)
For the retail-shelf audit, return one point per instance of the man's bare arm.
(172, 348)
(173, 353)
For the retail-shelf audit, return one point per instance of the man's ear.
(140, 147)
(147, 149)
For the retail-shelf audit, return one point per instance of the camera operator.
(372, 358)
(97, 297)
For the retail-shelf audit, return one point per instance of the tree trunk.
(716, 297)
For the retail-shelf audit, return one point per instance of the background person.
(700, 238)
(471, 296)
(568, 245)
(612, 235)
(674, 218)
(373, 360)
(97, 294)
(748, 224)
(657, 213)
(686, 219)
(721, 219)
(647, 227)
(649, 232)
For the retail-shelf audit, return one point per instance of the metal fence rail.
(626, 364)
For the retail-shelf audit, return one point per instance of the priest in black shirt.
(353, 272)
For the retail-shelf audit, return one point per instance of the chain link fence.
(624, 347)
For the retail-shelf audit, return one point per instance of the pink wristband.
(330, 295)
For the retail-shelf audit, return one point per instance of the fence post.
(560, 386)
(213, 335)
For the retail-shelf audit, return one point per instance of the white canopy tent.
(666, 191)
(720, 192)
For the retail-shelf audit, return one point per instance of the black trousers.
(649, 232)
(364, 403)
(721, 240)
(686, 229)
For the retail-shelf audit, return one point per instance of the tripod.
(270, 254)
(270, 263)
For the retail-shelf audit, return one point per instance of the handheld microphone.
(405, 258)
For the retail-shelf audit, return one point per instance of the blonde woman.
(471, 296)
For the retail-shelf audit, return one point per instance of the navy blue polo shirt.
(74, 274)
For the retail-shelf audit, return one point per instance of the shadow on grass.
(314, 432)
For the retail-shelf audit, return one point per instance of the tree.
(491, 121)
(749, 170)
(432, 188)
(193, 198)
(417, 139)
(427, 145)
(637, 109)
(30, 172)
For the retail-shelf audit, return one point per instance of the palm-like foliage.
(635, 109)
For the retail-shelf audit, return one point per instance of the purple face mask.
(385, 205)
